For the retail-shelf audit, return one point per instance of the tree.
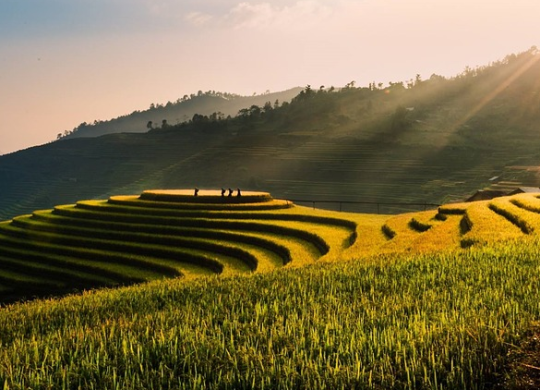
(267, 108)
(305, 94)
(243, 113)
(255, 111)
(198, 118)
(149, 125)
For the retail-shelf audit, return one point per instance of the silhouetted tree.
(267, 107)
(198, 118)
(243, 113)
(254, 111)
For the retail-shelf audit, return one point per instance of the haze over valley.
(422, 141)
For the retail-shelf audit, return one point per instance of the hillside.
(443, 299)
(163, 234)
(425, 141)
(174, 234)
(202, 103)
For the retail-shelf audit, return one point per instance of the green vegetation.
(217, 105)
(134, 239)
(421, 141)
(130, 239)
(255, 292)
(431, 321)
(440, 299)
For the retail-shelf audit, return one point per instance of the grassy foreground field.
(443, 299)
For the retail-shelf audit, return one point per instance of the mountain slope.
(180, 111)
(434, 141)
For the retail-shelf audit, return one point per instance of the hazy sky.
(63, 62)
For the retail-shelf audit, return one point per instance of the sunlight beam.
(493, 94)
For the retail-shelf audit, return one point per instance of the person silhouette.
(196, 192)
(230, 192)
(239, 193)
(223, 191)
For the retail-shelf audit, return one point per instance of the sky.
(64, 62)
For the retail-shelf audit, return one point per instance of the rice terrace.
(232, 292)
(125, 265)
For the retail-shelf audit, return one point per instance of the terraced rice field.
(174, 234)
(356, 301)
(131, 239)
(465, 224)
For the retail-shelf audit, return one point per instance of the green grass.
(221, 223)
(334, 301)
(142, 240)
(430, 321)
(88, 251)
(16, 250)
(211, 240)
(131, 239)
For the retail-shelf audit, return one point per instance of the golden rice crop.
(442, 236)
(527, 201)
(525, 220)
(437, 321)
(408, 311)
(399, 232)
(480, 224)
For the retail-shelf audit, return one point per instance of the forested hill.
(433, 141)
(203, 103)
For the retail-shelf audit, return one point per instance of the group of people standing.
(223, 192)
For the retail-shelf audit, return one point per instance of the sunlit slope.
(130, 239)
(464, 224)
(445, 320)
(427, 319)
(436, 141)
(171, 234)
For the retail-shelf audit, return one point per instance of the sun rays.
(485, 100)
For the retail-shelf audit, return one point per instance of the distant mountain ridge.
(202, 103)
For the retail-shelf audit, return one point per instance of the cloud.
(198, 18)
(262, 16)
